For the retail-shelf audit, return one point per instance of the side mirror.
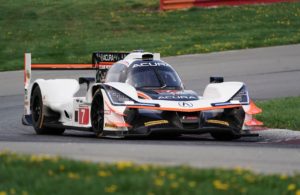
(86, 80)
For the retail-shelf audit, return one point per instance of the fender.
(58, 94)
(222, 92)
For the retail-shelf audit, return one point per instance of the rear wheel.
(97, 113)
(38, 115)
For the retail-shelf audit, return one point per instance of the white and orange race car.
(135, 94)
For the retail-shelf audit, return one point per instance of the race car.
(135, 94)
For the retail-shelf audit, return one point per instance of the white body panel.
(221, 92)
(58, 95)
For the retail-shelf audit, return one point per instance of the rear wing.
(101, 61)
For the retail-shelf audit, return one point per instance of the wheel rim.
(97, 115)
(36, 109)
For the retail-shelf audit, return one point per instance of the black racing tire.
(97, 113)
(235, 117)
(38, 115)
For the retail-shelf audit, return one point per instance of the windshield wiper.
(164, 86)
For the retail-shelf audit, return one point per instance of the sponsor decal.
(176, 97)
(185, 104)
(150, 64)
(27, 75)
(104, 67)
(84, 115)
(219, 122)
(110, 57)
(157, 122)
(190, 117)
(167, 91)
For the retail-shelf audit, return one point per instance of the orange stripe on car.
(60, 66)
(116, 125)
(183, 109)
(113, 110)
(143, 95)
(70, 66)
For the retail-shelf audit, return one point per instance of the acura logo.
(185, 104)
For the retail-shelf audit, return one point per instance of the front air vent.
(147, 57)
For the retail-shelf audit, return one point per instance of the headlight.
(241, 96)
(117, 97)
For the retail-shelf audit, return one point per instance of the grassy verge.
(52, 175)
(281, 113)
(67, 31)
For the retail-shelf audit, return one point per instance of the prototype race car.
(135, 94)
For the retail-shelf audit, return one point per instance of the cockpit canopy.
(143, 74)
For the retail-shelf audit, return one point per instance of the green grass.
(281, 113)
(39, 175)
(67, 31)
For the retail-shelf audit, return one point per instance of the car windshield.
(153, 74)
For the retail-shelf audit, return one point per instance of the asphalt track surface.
(268, 72)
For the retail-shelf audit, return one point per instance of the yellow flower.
(174, 185)
(249, 178)
(145, 167)
(41, 158)
(297, 192)
(243, 190)
(238, 170)
(171, 176)
(159, 182)
(12, 191)
(102, 165)
(5, 152)
(150, 193)
(50, 173)
(87, 162)
(61, 168)
(291, 187)
(104, 174)
(35, 158)
(220, 186)
(283, 177)
(24, 193)
(72, 175)
(192, 184)
(3, 193)
(162, 173)
(111, 189)
(123, 165)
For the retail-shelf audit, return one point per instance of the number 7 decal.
(84, 116)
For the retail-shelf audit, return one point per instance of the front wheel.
(235, 117)
(97, 113)
(38, 115)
